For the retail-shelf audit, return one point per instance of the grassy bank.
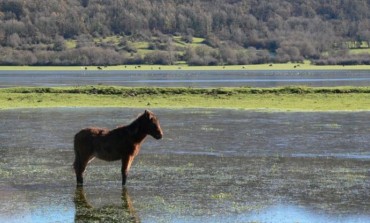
(286, 98)
(283, 66)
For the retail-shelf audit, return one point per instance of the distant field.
(142, 48)
(358, 48)
(360, 51)
(178, 45)
(182, 66)
(285, 99)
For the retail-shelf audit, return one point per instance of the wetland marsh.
(214, 165)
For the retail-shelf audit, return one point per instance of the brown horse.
(122, 143)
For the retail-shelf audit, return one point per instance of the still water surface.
(211, 166)
(267, 78)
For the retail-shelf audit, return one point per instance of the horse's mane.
(138, 119)
(134, 127)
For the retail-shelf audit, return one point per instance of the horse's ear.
(147, 113)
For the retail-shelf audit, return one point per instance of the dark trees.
(235, 31)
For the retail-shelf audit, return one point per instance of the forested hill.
(199, 32)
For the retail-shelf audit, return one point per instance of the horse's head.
(152, 125)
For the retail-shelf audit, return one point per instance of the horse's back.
(85, 137)
(92, 131)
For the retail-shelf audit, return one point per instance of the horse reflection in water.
(85, 212)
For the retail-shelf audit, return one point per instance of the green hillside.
(195, 32)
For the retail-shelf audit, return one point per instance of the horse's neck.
(137, 132)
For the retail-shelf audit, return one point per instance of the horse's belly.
(108, 155)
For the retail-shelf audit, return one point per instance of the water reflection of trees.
(85, 212)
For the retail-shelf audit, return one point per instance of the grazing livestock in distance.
(122, 143)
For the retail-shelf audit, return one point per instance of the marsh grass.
(283, 98)
(236, 186)
(137, 91)
(169, 187)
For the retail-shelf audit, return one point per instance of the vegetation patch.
(137, 91)
(283, 98)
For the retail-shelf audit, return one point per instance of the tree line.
(37, 32)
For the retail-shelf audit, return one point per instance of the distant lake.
(182, 78)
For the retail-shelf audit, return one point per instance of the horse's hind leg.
(79, 165)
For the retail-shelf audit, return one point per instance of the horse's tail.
(76, 163)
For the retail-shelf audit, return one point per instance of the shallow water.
(211, 166)
(195, 78)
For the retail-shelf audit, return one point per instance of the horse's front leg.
(126, 164)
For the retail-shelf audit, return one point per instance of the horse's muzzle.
(159, 136)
